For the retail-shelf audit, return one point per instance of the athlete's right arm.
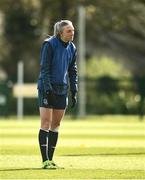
(45, 63)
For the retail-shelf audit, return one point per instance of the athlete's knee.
(55, 126)
(54, 129)
(46, 117)
(45, 123)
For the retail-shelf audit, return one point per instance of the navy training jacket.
(58, 66)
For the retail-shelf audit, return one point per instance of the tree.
(20, 38)
(112, 27)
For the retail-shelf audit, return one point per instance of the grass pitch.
(97, 147)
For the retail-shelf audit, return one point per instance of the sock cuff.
(45, 130)
(53, 132)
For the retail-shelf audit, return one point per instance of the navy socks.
(47, 143)
(52, 141)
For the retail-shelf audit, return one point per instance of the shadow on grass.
(23, 169)
(20, 169)
(106, 154)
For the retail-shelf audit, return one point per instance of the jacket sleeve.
(73, 75)
(45, 63)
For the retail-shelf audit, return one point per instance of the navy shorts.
(59, 102)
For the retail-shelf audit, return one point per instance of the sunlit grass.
(108, 147)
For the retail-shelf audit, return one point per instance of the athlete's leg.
(57, 116)
(46, 118)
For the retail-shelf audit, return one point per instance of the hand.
(74, 100)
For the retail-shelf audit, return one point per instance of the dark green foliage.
(107, 85)
(112, 27)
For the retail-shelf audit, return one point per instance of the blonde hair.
(58, 26)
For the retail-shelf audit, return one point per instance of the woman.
(58, 72)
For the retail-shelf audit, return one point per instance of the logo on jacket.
(45, 102)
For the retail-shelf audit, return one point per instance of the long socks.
(43, 143)
(52, 141)
(47, 143)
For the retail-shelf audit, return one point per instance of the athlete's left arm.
(73, 75)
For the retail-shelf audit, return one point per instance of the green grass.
(97, 147)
